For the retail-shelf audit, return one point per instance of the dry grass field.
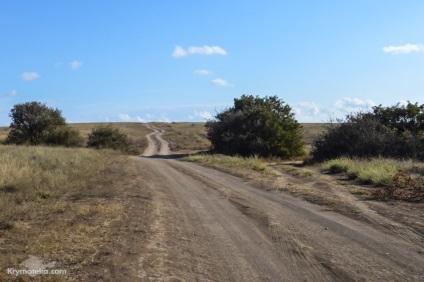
(185, 137)
(59, 204)
(311, 131)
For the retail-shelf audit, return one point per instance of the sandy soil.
(207, 225)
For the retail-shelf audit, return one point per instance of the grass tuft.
(252, 163)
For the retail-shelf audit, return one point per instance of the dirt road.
(211, 226)
(156, 144)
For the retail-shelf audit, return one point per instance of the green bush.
(256, 126)
(392, 132)
(64, 136)
(107, 137)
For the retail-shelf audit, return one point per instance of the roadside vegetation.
(373, 146)
(401, 180)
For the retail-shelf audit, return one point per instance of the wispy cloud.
(124, 117)
(203, 72)
(11, 93)
(128, 118)
(164, 119)
(28, 76)
(221, 82)
(179, 52)
(75, 65)
(352, 104)
(203, 115)
(306, 108)
(404, 49)
(207, 50)
(202, 50)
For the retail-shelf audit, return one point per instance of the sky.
(156, 60)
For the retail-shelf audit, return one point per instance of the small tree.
(256, 126)
(31, 122)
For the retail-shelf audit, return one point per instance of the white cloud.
(13, 92)
(28, 76)
(207, 50)
(202, 72)
(404, 49)
(204, 115)
(128, 118)
(221, 82)
(179, 52)
(75, 65)
(307, 108)
(124, 117)
(203, 50)
(164, 119)
(349, 104)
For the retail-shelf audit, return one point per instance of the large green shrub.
(256, 126)
(394, 132)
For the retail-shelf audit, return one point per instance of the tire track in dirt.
(156, 144)
(388, 225)
(376, 247)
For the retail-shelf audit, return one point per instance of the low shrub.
(64, 136)
(107, 137)
(337, 165)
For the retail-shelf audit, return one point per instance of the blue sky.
(185, 60)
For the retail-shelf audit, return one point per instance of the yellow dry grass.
(55, 203)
